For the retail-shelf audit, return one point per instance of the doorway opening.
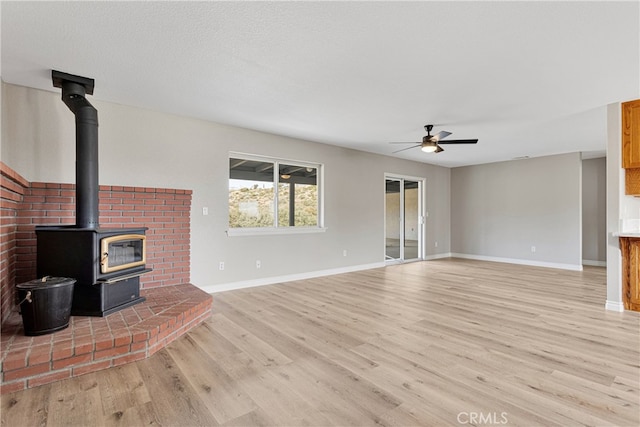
(404, 222)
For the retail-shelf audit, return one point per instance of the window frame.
(276, 229)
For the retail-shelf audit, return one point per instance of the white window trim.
(261, 231)
(265, 231)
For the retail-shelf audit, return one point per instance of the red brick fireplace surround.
(173, 305)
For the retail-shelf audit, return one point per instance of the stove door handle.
(104, 260)
(124, 277)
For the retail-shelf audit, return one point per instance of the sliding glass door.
(403, 219)
(411, 220)
(392, 221)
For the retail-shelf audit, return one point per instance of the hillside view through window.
(254, 201)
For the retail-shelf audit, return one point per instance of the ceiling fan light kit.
(431, 143)
(428, 146)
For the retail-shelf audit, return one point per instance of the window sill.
(232, 232)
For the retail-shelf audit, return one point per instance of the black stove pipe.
(74, 89)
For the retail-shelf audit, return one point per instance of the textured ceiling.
(526, 78)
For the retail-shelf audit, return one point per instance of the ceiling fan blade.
(412, 142)
(408, 148)
(440, 135)
(439, 149)
(460, 141)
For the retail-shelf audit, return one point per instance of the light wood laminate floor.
(445, 342)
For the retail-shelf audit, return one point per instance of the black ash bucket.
(45, 304)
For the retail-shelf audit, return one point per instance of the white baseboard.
(437, 256)
(312, 274)
(614, 306)
(573, 267)
(210, 289)
(592, 263)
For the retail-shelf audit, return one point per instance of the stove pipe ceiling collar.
(74, 89)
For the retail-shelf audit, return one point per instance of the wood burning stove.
(78, 253)
(106, 262)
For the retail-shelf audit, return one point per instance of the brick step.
(90, 344)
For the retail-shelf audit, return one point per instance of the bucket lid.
(46, 282)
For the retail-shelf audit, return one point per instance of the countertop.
(627, 234)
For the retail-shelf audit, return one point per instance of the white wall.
(594, 211)
(145, 148)
(500, 210)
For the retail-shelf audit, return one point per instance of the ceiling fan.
(431, 143)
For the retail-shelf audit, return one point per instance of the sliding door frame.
(421, 217)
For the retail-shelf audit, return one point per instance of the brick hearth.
(173, 305)
(90, 344)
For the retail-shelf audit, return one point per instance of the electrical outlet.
(205, 211)
(436, 244)
(221, 266)
(258, 264)
(344, 252)
(533, 249)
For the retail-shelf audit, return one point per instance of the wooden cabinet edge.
(632, 182)
(627, 136)
(626, 277)
(625, 248)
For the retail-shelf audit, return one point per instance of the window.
(267, 194)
